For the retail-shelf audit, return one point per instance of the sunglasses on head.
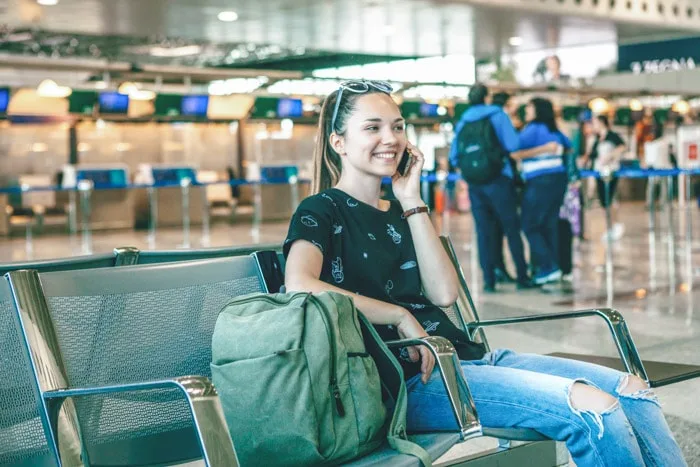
(358, 87)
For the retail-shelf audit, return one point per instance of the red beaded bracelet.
(413, 211)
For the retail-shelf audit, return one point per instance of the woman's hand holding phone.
(406, 186)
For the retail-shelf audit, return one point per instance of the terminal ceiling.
(307, 34)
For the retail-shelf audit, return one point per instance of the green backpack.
(299, 386)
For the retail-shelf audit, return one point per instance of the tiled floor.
(655, 283)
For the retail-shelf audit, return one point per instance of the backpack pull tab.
(306, 299)
(338, 401)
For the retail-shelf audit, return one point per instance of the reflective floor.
(655, 283)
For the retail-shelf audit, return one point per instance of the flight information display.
(195, 106)
(113, 103)
(4, 100)
(289, 108)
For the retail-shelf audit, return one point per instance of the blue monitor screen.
(4, 99)
(279, 173)
(195, 106)
(170, 175)
(429, 110)
(113, 103)
(289, 108)
(104, 178)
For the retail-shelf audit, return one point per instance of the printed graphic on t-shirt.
(337, 229)
(430, 326)
(371, 237)
(337, 270)
(324, 195)
(408, 265)
(395, 236)
(352, 203)
(389, 287)
(309, 221)
(318, 245)
(417, 306)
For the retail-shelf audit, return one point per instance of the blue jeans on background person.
(542, 199)
(495, 209)
(512, 390)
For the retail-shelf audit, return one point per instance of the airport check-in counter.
(280, 196)
(102, 197)
(164, 201)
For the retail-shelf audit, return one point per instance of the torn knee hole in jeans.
(595, 416)
(645, 394)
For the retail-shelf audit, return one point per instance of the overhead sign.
(659, 57)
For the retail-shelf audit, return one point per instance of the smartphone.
(404, 163)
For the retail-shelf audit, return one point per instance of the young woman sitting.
(387, 256)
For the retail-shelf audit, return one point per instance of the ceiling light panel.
(228, 16)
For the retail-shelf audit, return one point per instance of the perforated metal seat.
(22, 440)
(126, 326)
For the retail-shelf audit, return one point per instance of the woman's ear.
(337, 143)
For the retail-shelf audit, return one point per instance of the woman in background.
(545, 185)
(606, 154)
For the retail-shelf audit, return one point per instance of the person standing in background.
(494, 202)
(606, 153)
(545, 185)
(581, 144)
(504, 101)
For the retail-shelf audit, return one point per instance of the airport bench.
(114, 346)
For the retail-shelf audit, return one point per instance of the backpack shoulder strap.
(391, 375)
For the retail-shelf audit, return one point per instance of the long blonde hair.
(328, 164)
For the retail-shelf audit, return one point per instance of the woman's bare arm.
(438, 276)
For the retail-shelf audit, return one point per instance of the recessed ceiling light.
(47, 2)
(49, 88)
(515, 41)
(183, 51)
(227, 16)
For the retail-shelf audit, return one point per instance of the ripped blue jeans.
(514, 390)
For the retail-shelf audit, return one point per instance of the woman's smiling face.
(375, 137)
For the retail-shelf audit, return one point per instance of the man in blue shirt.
(495, 203)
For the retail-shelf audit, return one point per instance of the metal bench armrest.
(453, 378)
(208, 416)
(614, 320)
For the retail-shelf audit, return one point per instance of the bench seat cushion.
(436, 444)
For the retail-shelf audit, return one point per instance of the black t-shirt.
(612, 138)
(370, 252)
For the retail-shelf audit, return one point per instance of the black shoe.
(502, 276)
(527, 284)
(489, 289)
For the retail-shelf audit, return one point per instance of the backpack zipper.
(335, 390)
(270, 299)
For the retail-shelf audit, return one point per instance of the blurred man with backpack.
(484, 136)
